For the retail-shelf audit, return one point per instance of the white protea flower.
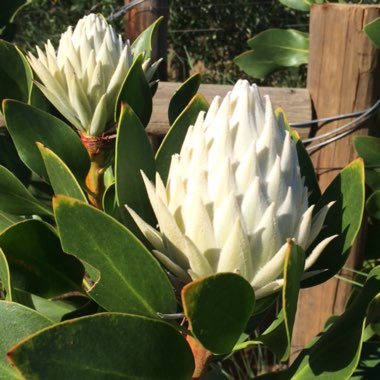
(234, 197)
(82, 79)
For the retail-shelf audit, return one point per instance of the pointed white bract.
(82, 79)
(234, 197)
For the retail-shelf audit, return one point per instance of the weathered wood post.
(343, 77)
(139, 17)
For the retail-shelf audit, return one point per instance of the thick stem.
(202, 358)
(99, 150)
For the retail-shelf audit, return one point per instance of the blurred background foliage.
(204, 37)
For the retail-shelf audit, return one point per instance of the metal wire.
(352, 126)
(120, 11)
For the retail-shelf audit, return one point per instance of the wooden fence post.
(343, 77)
(139, 17)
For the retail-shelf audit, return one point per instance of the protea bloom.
(233, 197)
(83, 78)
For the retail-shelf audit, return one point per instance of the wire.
(354, 125)
(120, 11)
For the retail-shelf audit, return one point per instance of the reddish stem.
(202, 358)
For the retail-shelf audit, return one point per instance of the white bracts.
(82, 79)
(234, 197)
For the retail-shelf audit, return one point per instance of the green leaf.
(343, 219)
(369, 364)
(368, 148)
(336, 353)
(6, 220)
(133, 155)
(105, 347)
(8, 11)
(5, 277)
(136, 92)
(299, 5)
(218, 308)
(372, 178)
(16, 199)
(278, 336)
(274, 49)
(60, 176)
(373, 31)
(53, 309)
(36, 260)
(10, 159)
(16, 323)
(174, 138)
(15, 73)
(183, 96)
(131, 280)
(27, 125)
(373, 205)
(143, 43)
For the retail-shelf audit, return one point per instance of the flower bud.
(234, 196)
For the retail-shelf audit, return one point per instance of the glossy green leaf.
(299, 5)
(27, 125)
(16, 323)
(373, 205)
(9, 9)
(133, 155)
(372, 30)
(336, 353)
(106, 346)
(10, 159)
(131, 280)
(343, 219)
(369, 365)
(173, 140)
(306, 165)
(274, 49)
(218, 308)
(279, 335)
(368, 148)
(60, 176)
(16, 199)
(183, 96)
(6, 220)
(15, 73)
(372, 179)
(5, 277)
(53, 309)
(143, 43)
(36, 260)
(136, 92)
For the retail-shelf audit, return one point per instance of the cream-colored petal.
(172, 266)
(272, 287)
(312, 258)
(271, 270)
(152, 235)
(235, 255)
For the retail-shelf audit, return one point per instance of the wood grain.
(343, 76)
(295, 102)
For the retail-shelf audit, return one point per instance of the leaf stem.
(202, 358)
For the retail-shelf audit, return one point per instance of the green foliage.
(174, 138)
(373, 31)
(206, 300)
(84, 297)
(343, 220)
(8, 11)
(15, 74)
(131, 280)
(96, 348)
(272, 50)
